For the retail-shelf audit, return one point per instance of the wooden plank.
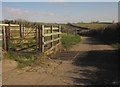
(47, 52)
(17, 38)
(9, 31)
(4, 25)
(47, 42)
(12, 25)
(49, 28)
(45, 35)
(55, 28)
(14, 29)
(42, 38)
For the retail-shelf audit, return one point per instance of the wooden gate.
(48, 38)
(37, 38)
(18, 38)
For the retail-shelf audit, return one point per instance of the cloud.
(37, 16)
(16, 13)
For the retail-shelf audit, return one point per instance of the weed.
(68, 40)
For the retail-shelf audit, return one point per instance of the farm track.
(88, 63)
(0, 67)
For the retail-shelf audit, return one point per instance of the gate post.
(20, 30)
(9, 30)
(41, 38)
(23, 31)
(59, 30)
(3, 37)
(51, 35)
(6, 38)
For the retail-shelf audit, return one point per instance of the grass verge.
(24, 59)
(35, 58)
(68, 40)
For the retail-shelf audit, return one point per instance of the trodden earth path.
(90, 62)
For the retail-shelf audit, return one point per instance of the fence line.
(39, 32)
(42, 35)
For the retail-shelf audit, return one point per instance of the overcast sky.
(60, 12)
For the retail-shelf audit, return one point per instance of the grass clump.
(24, 59)
(116, 46)
(68, 40)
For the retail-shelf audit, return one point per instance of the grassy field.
(91, 25)
(69, 40)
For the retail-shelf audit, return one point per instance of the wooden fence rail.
(6, 34)
(42, 36)
(39, 33)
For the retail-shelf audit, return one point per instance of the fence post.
(51, 35)
(23, 29)
(9, 30)
(39, 38)
(59, 30)
(3, 41)
(75, 32)
(42, 38)
(7, 38)
(20, 30)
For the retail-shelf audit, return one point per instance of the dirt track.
(95, 63)
(0, 68)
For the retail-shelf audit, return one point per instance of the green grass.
(69, 40)
(29, 58)
(24, 59)
(0, 43)
(116, 46)
(92, 25)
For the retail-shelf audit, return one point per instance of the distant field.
(91, 25)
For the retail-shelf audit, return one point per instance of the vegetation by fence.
(109, 34)
(42, 38)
